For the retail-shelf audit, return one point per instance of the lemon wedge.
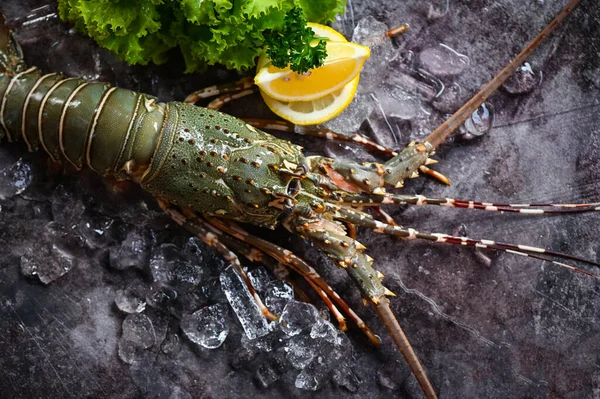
(314, 111)
(343, 63)
(329, 103)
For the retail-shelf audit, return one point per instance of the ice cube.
(443, 60)
(47, 262)
(193, 250)
(97, 231)
(344, 377)
(323, 329)
(138, 335)
(300, 350)
(170, 266)
(128, 302)
(350, 120)
(307, 381)
(277, 294)
(243, 304)
(298, 316)
(267, 374)
(316, 372)
(206, 327)
(161, 262)
(372, 33)
(522, 81)
(64, 238)
(133, 252)
(259, 278)
(480, 122)
(449, 100)
(54, 255)
(14, 178)
(398, 103)
(185, 276)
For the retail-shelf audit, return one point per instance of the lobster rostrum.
(209, 170)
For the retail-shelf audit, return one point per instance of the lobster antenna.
(440, 134)
(366, 199)
(364, 220)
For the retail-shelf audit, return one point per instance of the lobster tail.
(113, 131)
(11, 56)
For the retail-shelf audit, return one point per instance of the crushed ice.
(523, 80)
(253, 322)
(14, 178)
(137, 336)
(206, 327)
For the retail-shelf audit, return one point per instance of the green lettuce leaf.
(207, 32)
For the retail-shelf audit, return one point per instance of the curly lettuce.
(207, 32)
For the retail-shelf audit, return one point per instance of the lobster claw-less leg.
(290, 260)
(349, 254)
(235, 236)
(370, 177)
(226, 236)
(223, 89)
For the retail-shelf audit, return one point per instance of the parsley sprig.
(293, 45)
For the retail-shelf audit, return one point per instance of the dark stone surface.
(519, 328)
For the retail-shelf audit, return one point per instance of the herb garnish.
(293, 45)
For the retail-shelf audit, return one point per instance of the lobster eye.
(302, 169)
(293, 187)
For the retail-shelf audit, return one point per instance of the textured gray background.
(519, 328)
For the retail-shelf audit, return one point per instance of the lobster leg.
(348, 253)
(224, 99)
(365, 220)
(321, 132)
(368, 200)
(226, 88)
(226, 93)
(298, 265)
(256, 255)
(328, 134)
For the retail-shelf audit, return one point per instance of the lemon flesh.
(315, 111)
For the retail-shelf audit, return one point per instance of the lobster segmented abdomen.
(86, 123)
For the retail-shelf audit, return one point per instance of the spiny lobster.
(365, 182)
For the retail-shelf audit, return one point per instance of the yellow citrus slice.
(314, 111)
(343, 63)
